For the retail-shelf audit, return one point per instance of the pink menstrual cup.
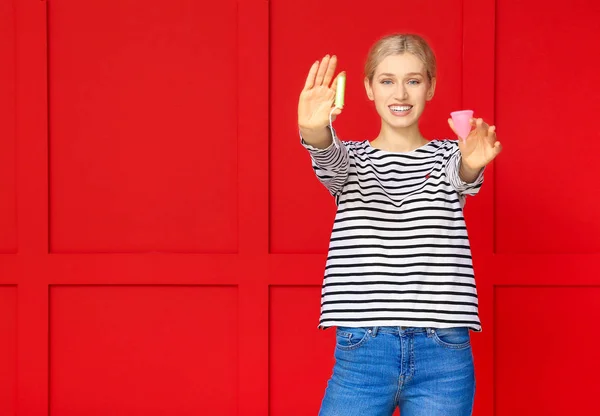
(462, 123)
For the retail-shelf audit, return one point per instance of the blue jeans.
(424, 371)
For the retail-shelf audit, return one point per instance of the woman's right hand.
(317, 97)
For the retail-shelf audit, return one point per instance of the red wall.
(163, 236)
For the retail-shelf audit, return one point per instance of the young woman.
(399, 284)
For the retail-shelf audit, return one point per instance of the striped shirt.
(399, 253)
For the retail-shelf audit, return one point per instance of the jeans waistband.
(400, 329)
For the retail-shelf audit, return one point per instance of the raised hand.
(480, 147)
(317, 97)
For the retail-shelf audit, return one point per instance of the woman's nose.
(401, 92)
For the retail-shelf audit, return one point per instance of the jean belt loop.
(374, 330)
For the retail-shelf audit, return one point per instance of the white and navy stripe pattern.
(399, 253)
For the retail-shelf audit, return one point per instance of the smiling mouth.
(400, 109)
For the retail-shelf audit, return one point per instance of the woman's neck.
(399, 139)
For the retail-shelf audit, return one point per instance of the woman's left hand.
(480, 147)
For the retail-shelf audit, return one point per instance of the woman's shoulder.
(446, 145)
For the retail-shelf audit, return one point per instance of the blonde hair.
(397, 44)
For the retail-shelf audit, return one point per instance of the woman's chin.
(402, 123)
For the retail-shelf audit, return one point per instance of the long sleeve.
(452, 172)
(330, 164)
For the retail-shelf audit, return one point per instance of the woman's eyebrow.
(410, 74)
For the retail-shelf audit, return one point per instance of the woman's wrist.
(319, 138)
(468, 174)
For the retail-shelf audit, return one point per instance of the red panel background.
(143, 114)
(547, 192)
(112, 350)
(8, 350)
(129, 129)
(8, 220)
(545, 336)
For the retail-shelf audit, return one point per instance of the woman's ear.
(369, 89)
(431, 90)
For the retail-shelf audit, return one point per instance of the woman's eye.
(386, 81)
(414, 82)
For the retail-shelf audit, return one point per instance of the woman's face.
(400, 89)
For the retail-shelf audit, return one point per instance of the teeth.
(401, 107)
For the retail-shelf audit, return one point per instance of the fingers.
(321, 73)
(488, 134)
(310, 79)
(322, 70)
(479, 124)
(492, 141)
(491, 135)
(497, 148)
(482, 127)
(330, 71)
